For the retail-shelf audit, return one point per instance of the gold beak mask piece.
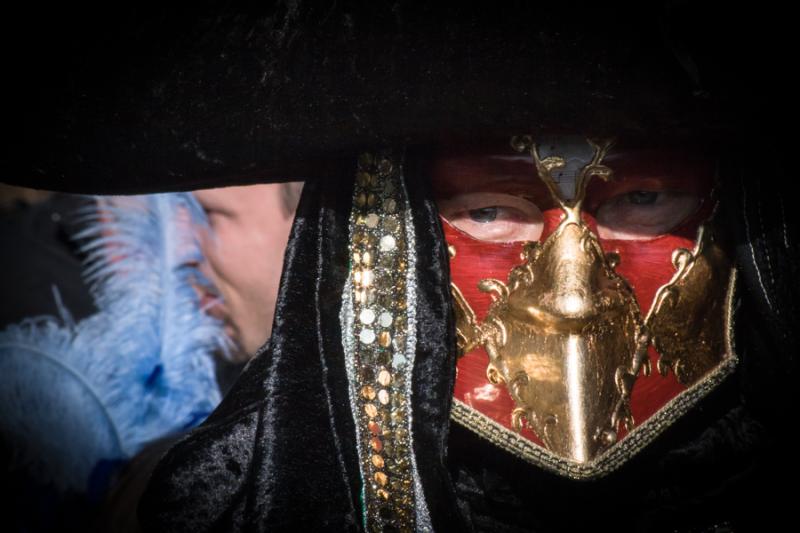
(566, 336)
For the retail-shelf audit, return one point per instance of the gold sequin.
(368, 392)
(381, 478)
(383, 494)
(388, 449)
(365, 296)
(384, 339)
(400, 342)
(367, 277)
(391, 224)
(367, 258)
(377, 461)
(371, 410)
(363, 239)
(366, 374)
(371, 220)
(364, 179)
(384, 377)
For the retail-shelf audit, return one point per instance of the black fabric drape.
(279, 453)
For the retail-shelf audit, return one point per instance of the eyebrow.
(530, 188)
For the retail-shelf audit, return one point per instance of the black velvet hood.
(132, 102)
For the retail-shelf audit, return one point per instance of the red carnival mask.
(592, 296)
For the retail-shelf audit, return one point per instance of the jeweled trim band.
(621, 452)
(379, 341)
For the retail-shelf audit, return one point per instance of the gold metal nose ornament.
(566, 336)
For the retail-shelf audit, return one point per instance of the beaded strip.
(376, 325)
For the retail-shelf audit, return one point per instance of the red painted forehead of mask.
(654, 205)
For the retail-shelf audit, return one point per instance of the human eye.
(215, 207)
(644, 214)
(213, 215)
(493, 217)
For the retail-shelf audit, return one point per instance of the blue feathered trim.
(72, 395)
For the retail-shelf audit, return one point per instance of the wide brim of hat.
(145, 101)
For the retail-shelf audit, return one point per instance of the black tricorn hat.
(117, 101)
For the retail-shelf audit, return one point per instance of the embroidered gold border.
(633, 442)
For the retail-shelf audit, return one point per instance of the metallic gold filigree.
(686, 320)
(565, 333)
(639, 437)
(468, 333)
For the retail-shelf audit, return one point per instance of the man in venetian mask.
(483, 323)
(598, 289)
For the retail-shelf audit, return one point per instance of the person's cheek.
(222, 245)
(222, 261)
(206, 243)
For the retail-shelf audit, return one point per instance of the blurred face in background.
(249, 229)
